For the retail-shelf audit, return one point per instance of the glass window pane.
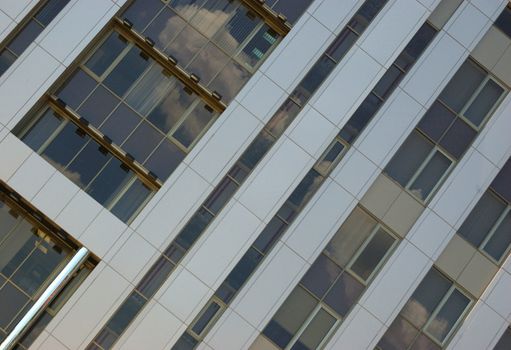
(316, 331)
(501, 183)
(98, 106)
(358, 121)
(127, 71)
(499, 242)
(76, 89)
(16, 247)
(106, 54)
(126, 313)
(165, 27)
(388, 82)
(342, 43)
(372, 254)
(213, 16)
(165, 159)
(25, 37)
(436, 121)
(282, 118)
(355, 230)
(171, 108)
(186, 45)
(416, 46)
(408, 158)
(330, 158)
(270, 234)
(462, 85)
(399, 336)
(185, 342)
(503, 22)
(65, 146)
(505, 341)
(194, 228)
(484, 102)
(290, 317)
(430, 176)
(194, 125)
(141, 12)
(344, 294)
(87, 164)
(424, 343)
(208, 63)
(50, 10)
(187, 8)
(257, 149)
(426, 298)
(205, 318)
(155, 277)
(142, 141)
(448, 316)
(220, 195)
(120, 124)
(292, 9)
(458, 138)
(12, 301)
(6, 60)
(306, 188)
(112, 179)
(8, 219)
(149, 90)
(244, 268)
(230, 81)
(481, 219)
(38, 267)
(313, 79)
(258, 47)
(320, 276)
(239, 27)
(131, 201)
(41, 131)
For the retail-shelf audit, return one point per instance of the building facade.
(263, 175)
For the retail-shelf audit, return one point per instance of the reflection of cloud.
(71, 175)
(439, 328)
(193, 125)
(415, 312)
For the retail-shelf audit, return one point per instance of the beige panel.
(491, 48)
(403, 213)
(379, 198)
(261, 343)
(443, 12)
(455, 257)
(477, 274)
(502, 69)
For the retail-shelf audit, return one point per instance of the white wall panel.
(333, 13)
(268, 186)
(389, 36)
(347, 87)
(271, 284)
(468, 26)
(225, 242)
(224, 147)
(296, 53)
(320, 222)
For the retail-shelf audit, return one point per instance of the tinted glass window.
(25, 37)
(408, 158)
(320, 276)
(484, 102)
(76, 89)
(500, 240)
(462, 86)
(503, 22)
(448, 315)
(458, 138)
(127, 71)
(430, 175)
(436, 121)
(106, 54)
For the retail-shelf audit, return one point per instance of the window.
(28, 30)
(503, 22)
(430, 317)
(332, 285)
(488, 225)
(504, 341)
(31, 256)
(222, 42)
(446, 131)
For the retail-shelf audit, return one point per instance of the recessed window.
(430, 316)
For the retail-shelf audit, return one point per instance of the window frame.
(441, 304)
(491, 233)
